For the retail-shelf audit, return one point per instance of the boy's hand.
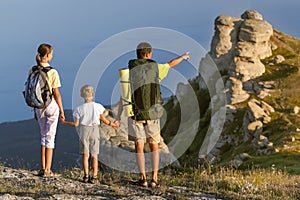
(186, 56)
(115, 124)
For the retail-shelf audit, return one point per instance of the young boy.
(87, 118)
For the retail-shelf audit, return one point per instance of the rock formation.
(237, 47)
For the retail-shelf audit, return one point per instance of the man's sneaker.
(154, 184)
(86, 178)
(94, 180)
(142, 183)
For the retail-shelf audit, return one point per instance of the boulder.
(252, 14)
(296, 110)
(255, 128)
(257, 31)
(259, 111)
(235, 94)
(225, 31)
(278, 59)
(249, 70)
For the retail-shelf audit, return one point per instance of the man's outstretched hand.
(186, 56)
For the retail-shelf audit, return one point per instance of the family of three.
(87, 118)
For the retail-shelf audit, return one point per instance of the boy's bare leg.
(155, 160)
(48, 159)
(43, 162)
(85, 163)
(94, 165)
(140, 158)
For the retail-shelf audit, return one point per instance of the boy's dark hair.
(142, 49)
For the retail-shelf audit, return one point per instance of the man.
(145, 124)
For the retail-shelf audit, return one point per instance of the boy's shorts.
(146, 131)
(89, 139)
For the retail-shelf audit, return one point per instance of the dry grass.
(223, 182)
(228, 182)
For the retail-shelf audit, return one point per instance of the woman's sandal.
(154, 184)
(49, 174)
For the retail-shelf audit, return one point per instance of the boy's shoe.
(41, 172)
(94, 180)
(154, 184)
(86, 178)
(142, 183)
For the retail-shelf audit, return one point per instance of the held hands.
(185, 56)
(115, 124)
(62, 116)
(62, 120)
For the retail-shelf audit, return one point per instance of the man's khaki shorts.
(146, 131)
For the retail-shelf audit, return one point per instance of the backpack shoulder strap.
(46, 69)
(34, 68)
(136, 62)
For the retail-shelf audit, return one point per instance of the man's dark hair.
(142, 49)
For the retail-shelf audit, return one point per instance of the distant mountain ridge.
(20, 145)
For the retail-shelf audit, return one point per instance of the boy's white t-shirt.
(89, 113)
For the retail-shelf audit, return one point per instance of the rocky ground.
(22, 184)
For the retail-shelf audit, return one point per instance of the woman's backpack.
(37, 93)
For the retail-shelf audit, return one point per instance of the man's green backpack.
(146, 96)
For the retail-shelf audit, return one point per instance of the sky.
(76, 29)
